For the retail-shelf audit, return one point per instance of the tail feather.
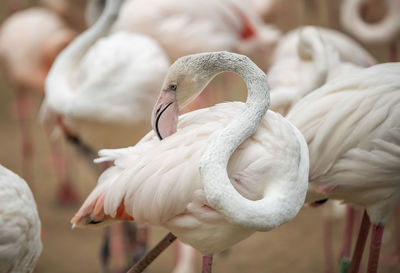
(92, 212)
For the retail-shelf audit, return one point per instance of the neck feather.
(260, 214)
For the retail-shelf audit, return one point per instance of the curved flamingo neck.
(273, 210)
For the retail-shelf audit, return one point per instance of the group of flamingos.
(218, 173)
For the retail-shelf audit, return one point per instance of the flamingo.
(355, 153)
(375, 22)
(27, 55)
(304, 60)
(293, 77)
(197, 194)
(181, 27)
(20, 243)
(100, 91)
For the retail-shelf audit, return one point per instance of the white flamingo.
(100, 92)
(304, 60)
(20, 243)
(187, 27)
(262, 186)
(375, 22)
(355, 153)
(293, 77)
(180, 26)
(27, 55)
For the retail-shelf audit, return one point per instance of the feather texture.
(20, 243)
(159, 182)
(352, 127)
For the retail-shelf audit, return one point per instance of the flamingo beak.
(164, 118)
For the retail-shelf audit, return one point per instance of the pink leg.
(24, 106)
(361, 240)
(117, 248)
(347, 239)
(328, 245)
(394, 257)
(207, 264)
(376, 241)
(185, 258)
(66, 194)
(348, 233)
(397, 231)
(137, 235)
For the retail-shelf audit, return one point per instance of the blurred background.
(294, 247)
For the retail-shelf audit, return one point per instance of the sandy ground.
(296, 246)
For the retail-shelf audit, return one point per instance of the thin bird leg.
(374, 250)
(207, 264)
(24, 114)
(347, 239)
(139, 246)
(361, 240)
(394, 257)
(397, 233)
(328, 253)
(117, 248)
(153, 254)
(185, 258)
(67, 193)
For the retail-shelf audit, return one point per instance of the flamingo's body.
(355, 153)
(20, 243)
(110, 90)
(100, 85)
(170, 193)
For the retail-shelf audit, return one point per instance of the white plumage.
(352, 127)
(112, 90)
(105, 86)
(20, 243)
(159, 182)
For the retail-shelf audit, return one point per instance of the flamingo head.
(185, 80)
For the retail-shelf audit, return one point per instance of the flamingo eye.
(173, 86)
